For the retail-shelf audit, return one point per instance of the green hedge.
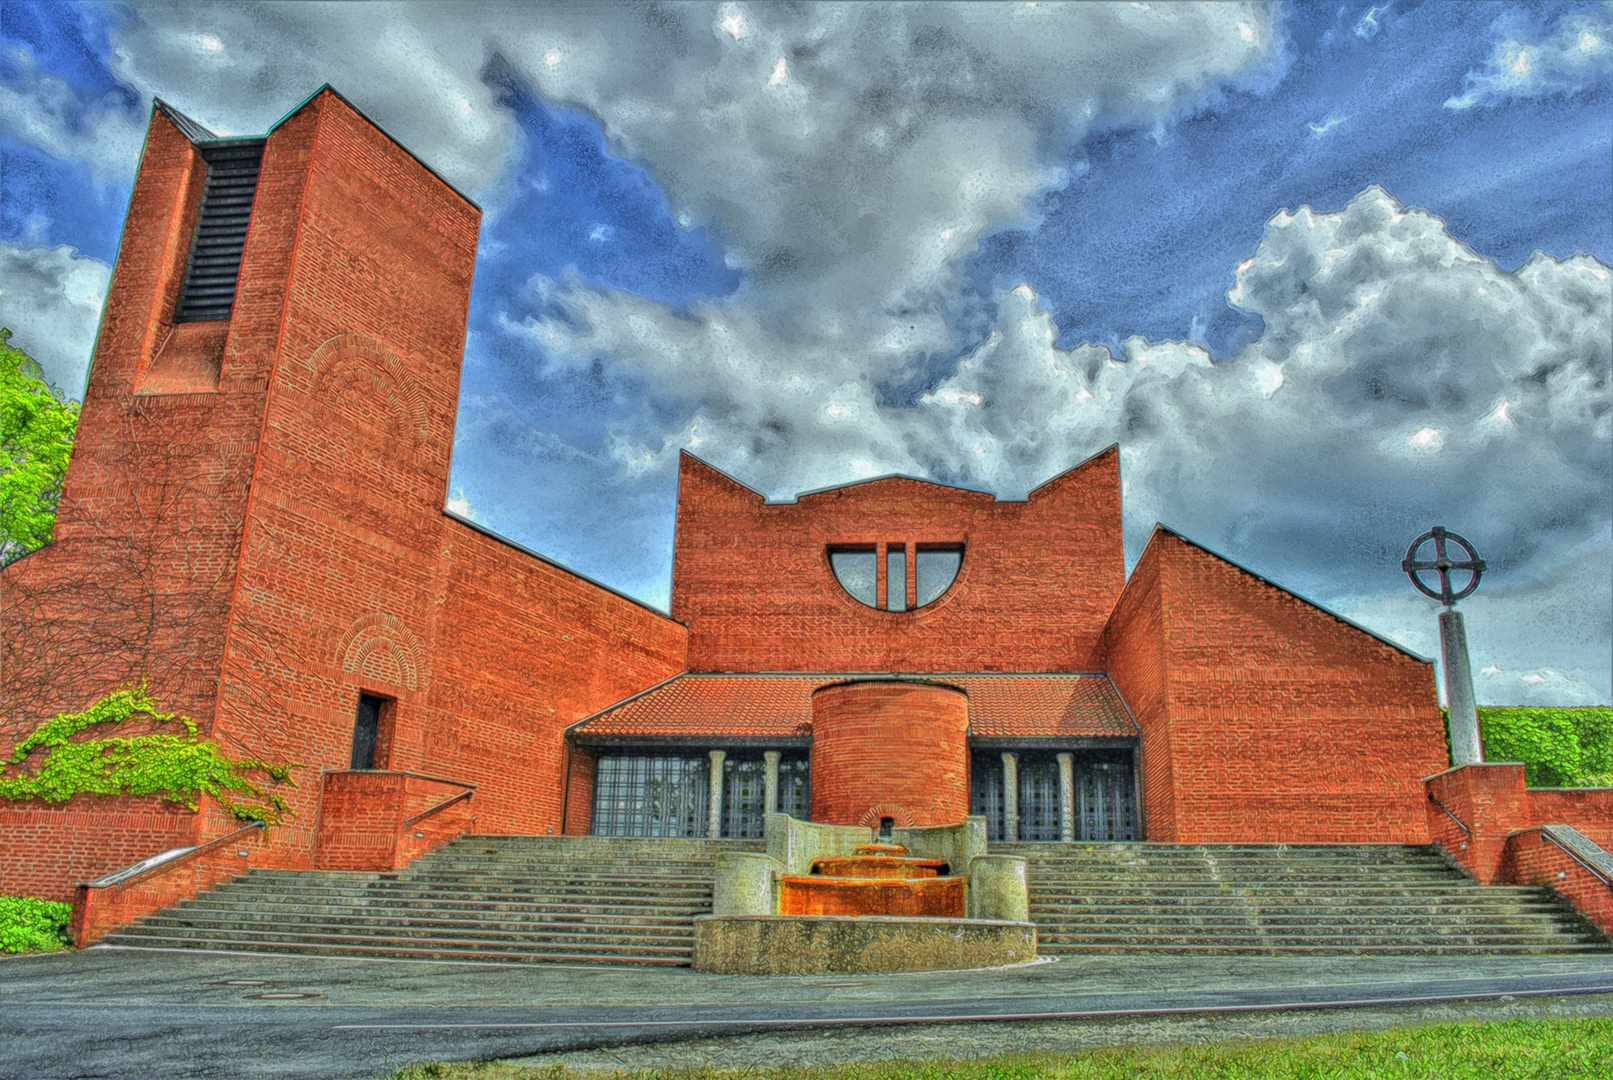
(1558, 747)
(30, 925)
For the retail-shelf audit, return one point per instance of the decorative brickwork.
(890, 749)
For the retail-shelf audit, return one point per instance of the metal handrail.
(403, 772)
(1460, 823)
(1566, 850)
(445, 804)
(186, 854)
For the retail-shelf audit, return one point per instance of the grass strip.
(1493, 1050)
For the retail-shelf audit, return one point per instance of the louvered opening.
(215, 252)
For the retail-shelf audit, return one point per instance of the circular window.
(931, 568)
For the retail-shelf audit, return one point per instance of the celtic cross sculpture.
(1466, 748)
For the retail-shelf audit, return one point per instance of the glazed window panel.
(744, 798)
(986, 792)
(1038, 797)
(794, 788)
(934, 571)
(858, 573)
(650, 795)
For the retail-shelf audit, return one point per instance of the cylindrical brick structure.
(890, 749)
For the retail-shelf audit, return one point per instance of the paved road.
(123, 1013)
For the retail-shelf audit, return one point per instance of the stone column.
(714, 820)
(1067, 798)
(1466, 749)
(1010, 797)
(770, 781)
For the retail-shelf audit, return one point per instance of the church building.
(253, 523)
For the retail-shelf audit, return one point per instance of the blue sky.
(1286, 256)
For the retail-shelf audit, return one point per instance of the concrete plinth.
(835, 944)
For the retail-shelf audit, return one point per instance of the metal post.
(1466, 749)
(1067, 798)
(770, 781)
(1010, 797)
(714, 821)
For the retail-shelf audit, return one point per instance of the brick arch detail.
(363, 360)
(897, 814)
(382, 647)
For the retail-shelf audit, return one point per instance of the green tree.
(37, 424)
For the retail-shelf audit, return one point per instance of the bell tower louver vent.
(215, 253)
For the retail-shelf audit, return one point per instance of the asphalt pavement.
(114, 1013)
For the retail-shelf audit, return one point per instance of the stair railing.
(165, 861)
(1572, 854)
(408, 822)
(1459, 822)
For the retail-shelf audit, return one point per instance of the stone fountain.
(827, 898)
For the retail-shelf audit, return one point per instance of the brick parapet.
(46, 848)
(1590, 810)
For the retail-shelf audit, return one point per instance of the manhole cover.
(284, 995)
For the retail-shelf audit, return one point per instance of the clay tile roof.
(780, 706)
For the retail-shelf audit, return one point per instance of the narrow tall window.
(366, 731)
(208, 293)
(896, 578)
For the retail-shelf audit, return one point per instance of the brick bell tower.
(264, 445)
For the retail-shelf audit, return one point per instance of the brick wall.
(1491, 801)
(889, 749)
(1280, 722)
(47, 848)
(1038, 579)
(1590, 810)
(580, 792)
(1134, 649)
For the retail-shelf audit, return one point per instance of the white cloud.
(46, 112)
(1578, 53)
(51, 299)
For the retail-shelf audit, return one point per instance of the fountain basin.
(858, 866)
(832, 944)
(940, 897)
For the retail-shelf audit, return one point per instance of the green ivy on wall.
(30, 925)
(179, 767)
(1558, 747)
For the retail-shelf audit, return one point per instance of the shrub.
(1558, 747)
(30, 925)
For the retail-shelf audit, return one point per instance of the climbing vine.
(179, 766)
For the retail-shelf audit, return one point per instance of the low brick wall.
(1533, 859)
(1590, 810)
(48, 848)
(362, 819)
(1491, 801)
(100, 909)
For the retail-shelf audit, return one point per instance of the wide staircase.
(1283, 899)
(599, 900)
(594, 900)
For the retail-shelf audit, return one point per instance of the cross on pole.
(1466, 749)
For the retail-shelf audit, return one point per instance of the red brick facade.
(252, 521)
(1264, 718)
(752, 580)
